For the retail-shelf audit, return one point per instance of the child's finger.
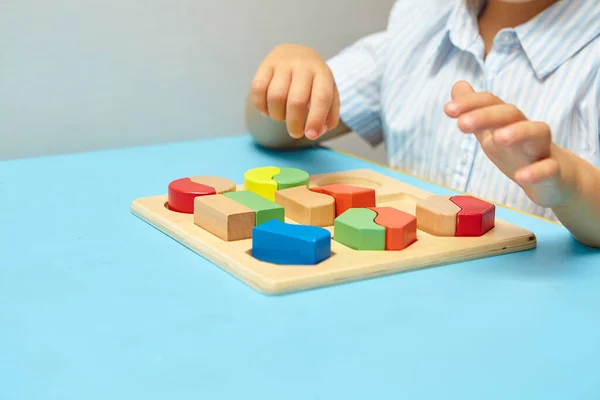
(470, 102)
(321, 101)
(533, 137)
(461, 89)
(259, 87)
(297, 102)
(333, 119)
(546, 170)
(278, 93)
(493, 117)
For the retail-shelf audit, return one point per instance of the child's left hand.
(521, 149)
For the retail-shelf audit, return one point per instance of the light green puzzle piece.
(264, 209)
(291, 177)
(356, 229)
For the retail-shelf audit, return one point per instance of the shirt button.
(464, 160)
(506, 38)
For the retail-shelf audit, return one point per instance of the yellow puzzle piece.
(260, 181)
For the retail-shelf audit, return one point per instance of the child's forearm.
(581, 215)
(272, 134)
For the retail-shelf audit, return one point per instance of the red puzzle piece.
(400, 227)
(348, 196)
(475, 218)
(182, 193)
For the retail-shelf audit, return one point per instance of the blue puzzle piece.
(282, 243)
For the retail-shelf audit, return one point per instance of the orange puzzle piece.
(400, 227)
(475, 218)
(347, 196)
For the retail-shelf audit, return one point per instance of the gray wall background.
(79, 75)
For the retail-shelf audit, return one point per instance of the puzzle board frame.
(345, 264)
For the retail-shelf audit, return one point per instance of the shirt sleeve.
(357, 71)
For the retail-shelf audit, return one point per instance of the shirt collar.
(462, 26)
(558, 33)
(548, 40)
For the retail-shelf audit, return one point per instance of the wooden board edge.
(395, 191)
(309, 283)
(219, 259)
(527, 241)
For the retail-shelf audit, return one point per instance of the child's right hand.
(295, 85)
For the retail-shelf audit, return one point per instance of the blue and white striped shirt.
(394, 84)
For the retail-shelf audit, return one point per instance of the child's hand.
(521, 149)
(294, 81)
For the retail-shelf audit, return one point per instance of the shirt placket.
(465, 158)
(504, 44)
(465, 161)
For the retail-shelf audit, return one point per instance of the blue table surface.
(97, 304)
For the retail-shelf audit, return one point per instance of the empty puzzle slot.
(166, 205)
(346, 180)
(406, 198)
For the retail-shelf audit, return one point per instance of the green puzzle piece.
(264, 209)
(357, 229)
(290, 177)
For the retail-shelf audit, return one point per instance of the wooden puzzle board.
(345, 264)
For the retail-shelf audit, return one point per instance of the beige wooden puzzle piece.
(306, 207)
(224, 217)
(221, 185)
(436, 215)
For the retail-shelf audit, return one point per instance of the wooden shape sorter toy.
(415, 230)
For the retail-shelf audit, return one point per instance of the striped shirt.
(394, 84)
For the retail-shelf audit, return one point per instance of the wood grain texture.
(437, 215)
(345, 264)
(307, 207)
(224, 217)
